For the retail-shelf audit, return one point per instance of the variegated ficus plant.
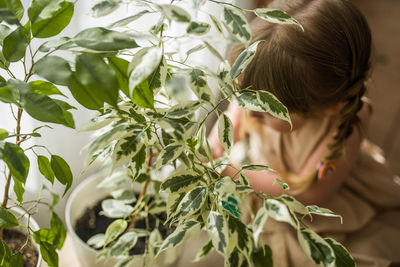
(153, 102)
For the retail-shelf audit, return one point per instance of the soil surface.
(92, 223)
(15, 240)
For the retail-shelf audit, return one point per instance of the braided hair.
(316, 69)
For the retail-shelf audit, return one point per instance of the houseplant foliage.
(28, 95)
(153, 133)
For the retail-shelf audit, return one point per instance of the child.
(319, 75)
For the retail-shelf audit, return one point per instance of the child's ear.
(335, 109)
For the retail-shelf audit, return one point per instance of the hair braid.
(348, 119)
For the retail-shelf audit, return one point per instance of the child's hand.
(234, 113)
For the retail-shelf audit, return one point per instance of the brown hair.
(315, 69)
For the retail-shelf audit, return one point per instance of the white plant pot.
(86, 195)
(18, 212)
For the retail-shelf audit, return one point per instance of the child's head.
(316, 70)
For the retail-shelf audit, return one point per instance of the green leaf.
(102, 39)
(44, 88)
(177, 237)
(278, 211)
(127, 20)
(175, 13)
(124, 244)
(198, 28)
(313, 209)
(273, 106)
(11, 11)
(49, 254)
(19, 190)
(262, 257)
(120, 67)
(7, 219)
(62, 171)
(59, 73)
(3, 134)
(144, 63)
(98, 77)
(236, 259)
(316, 248)
(16, 160)
(45, 168)
(244, 59)
(14, 45)
(84, 95)
(169, 154)
(276, 16)
(46, 109)
(116, 228)
(115, 208)
(180, 181)
(225, 132)
(237, 24)
(343, 257)
(105, 7)
(258, 223)
(218, 229)
(4, 32)
(143, 95)
(52, 19)
(191, 202)
(5, 253)
(57, 227)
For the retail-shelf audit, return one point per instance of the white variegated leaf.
(240, 235)
(217, 24)
(96, 241)
(236, 259)
(125, 195)
(124, 243)
(178, 236)
(273, 106)
(114, 180)
(225, 82)
(175, 13)
(218, 231)
(178, 88)
(169, 154)
(316, 248)
(221, 163)
(191, 202)
(202, 145)
(198, 83)
(258, 223)
(116, 228)
(104, 7)
(172, 203)
(237, 24)
(278, 211)
(198, 28)
(257, 167)
(157, 206)
(115, 209)
(342, 255)
(126, 148)
(323, 212)
(214, 51)
(96, 123)
(142, 65)
(180, 181)
(276, 16)
(244, 59)
(225, 185)
(205, 250)
(112, 134)
(125, 21)
(182, 110)
(196, 4)
(195, 49)
(249, 101)
(225, 132)
(125, 262)
(294, 205)
(283, 184)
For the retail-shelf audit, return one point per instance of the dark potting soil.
(15, 240)
(92, 223)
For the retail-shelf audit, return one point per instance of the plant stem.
(132, 224)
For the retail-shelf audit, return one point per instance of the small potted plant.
(23, 48)
(152, 133)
